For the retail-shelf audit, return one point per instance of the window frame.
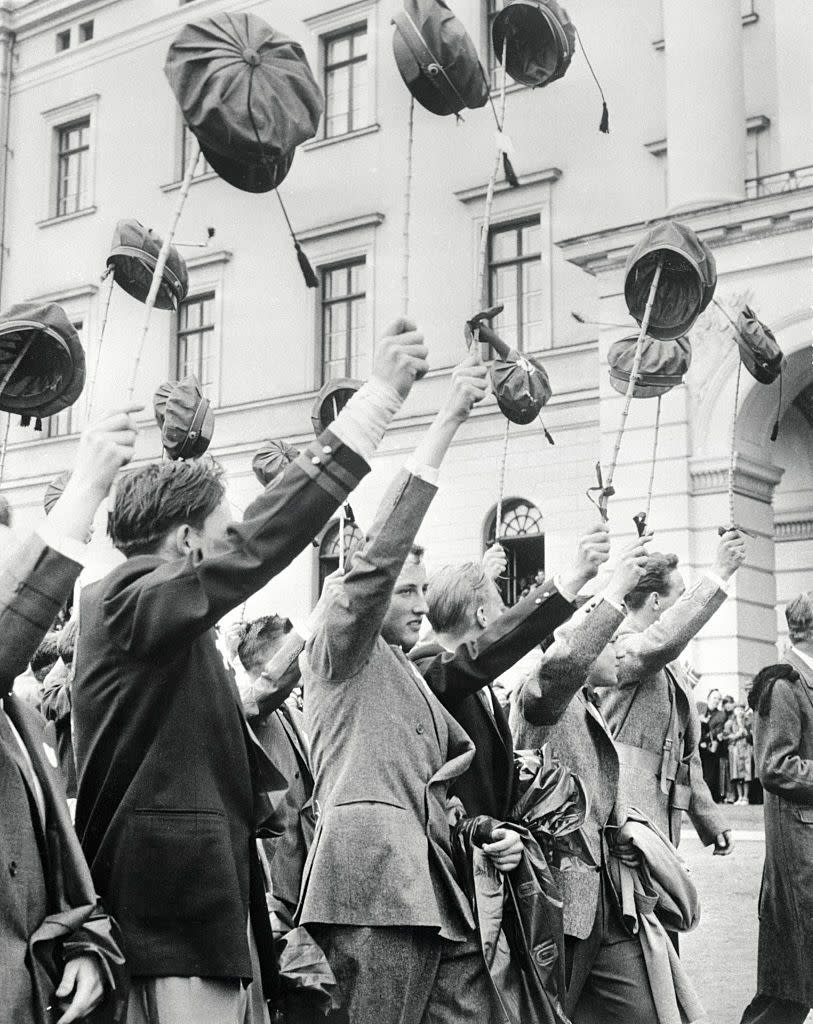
(348, 300)
(56, 119)
(208, 331)
(63, 158)
(503, 227)
(349, 32)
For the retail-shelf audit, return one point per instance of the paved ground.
(721, 954)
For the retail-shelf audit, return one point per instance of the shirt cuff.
(430, 474)
(68, 547)
(717, 580)
(568, 595)
(614, 604)
(362, 422)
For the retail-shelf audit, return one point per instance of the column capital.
(752, 479)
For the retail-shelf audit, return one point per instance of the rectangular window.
(187, 142)
(73, 155)
(515, 282)
(195, 339)
(85, 31)
(345, 81)
(344, 319)
(63, 40)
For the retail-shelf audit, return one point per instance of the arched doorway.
(523, 537)
(329, 548)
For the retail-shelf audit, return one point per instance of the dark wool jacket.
(170, 778)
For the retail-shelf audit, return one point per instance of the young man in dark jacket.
(172, 784)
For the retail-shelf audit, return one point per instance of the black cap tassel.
(311, 280)
(775, 431)
(510, 173)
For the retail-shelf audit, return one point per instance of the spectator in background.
(739, 754)
(711, 718)
(726, 794)
(56, 706)
(7, 538)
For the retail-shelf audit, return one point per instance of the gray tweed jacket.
(552, 705)
(383, 750)
(639, 708)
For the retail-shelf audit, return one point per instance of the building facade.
(711, 109)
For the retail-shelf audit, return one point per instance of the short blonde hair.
(799, 615)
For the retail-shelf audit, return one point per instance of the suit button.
(327, 450)
(12, 868)
(419, 729)
(538, 601)
(296, 775)
(316, 460)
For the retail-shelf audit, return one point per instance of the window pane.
(338, 49)
(360, 44)
(504, 245)
(359, 113)
(344, 335)
(531, 239)
(337, 101)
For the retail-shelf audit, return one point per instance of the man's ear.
(184, 540)
(655, 600)
(480, 617)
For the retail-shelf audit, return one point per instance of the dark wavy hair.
(160, 497)
(261, 640)
(799, 617)
(656, 579)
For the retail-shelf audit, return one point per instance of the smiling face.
(402, 624)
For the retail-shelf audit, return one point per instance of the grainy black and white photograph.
(406, 511)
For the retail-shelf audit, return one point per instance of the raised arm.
(39, 576)
(643, 654)
(357, 605)
(455, 675)
(184, 597)
(544, 695)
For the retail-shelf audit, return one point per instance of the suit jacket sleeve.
(185, 597)
(642, 655)
(781, 767)
(454, 675)
(356, 605)
(34, 584)
(278, 678)
(544, 695)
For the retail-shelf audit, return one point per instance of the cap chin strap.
(431, 68)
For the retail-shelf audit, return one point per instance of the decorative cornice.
(790, 527)
(341, 227)
(80, 291)
(753, 125)
(752, 479)
(717, 226)
(478, 192)
(208, 258)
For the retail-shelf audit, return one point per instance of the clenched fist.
(401, 356)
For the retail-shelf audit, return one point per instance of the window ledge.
(355, 134)
(751, 18)
(66, 217)
(173, 186)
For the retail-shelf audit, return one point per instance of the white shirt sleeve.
(67, 546)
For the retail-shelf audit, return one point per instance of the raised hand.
(592, 553)
(730, 554)
(630, 569)
(104, 447)
(401, 356)
(469, 386)
(495, 562)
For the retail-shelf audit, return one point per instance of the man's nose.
(421, 607)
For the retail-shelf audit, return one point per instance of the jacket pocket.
(372, 803)
(175, 867)
(804, 814)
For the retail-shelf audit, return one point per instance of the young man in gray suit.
(557, 705)
(59, 954)
(651, 713)
(380, 891)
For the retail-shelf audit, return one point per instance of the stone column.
(705, 103)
